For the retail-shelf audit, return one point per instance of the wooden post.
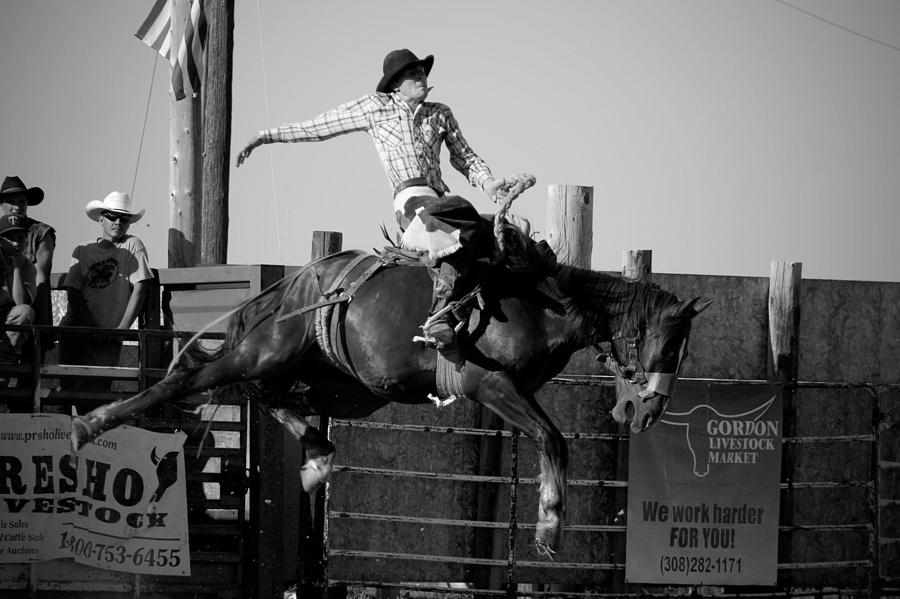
(784, 320)
(217, 130)
(311, 582)
(570, 221)
(570, 213)
(184, 170)
(637, 265)
(783, 367)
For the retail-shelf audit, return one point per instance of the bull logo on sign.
(166, 472)
(713, 437)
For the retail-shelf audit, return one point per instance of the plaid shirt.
(408, 143)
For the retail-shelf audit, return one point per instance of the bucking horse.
(346, 328)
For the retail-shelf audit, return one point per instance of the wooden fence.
(424, 495)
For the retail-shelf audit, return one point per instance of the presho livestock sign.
(119, 504)
(703, 489)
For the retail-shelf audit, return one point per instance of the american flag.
(188, 64)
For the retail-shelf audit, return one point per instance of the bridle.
(625, 344)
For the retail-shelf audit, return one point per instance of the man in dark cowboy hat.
(408, 133)
(40, 241)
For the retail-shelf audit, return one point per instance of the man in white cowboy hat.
(408, 133)
(40, 242)
(107, 283)
(16, 285)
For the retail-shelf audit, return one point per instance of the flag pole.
(217, 130)
(185, 190)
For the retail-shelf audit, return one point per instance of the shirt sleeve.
(139, 270)
(462, 157)
(346, 118)
(73, 278)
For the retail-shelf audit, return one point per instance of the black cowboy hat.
(13, 186)
(395, 62)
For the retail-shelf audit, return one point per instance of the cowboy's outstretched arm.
(346, 118)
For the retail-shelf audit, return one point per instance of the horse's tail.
(241, 320)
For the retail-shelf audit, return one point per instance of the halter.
(662, 383)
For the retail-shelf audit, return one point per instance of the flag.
(156, 29)
(189, 65)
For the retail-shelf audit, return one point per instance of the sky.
(721, 134)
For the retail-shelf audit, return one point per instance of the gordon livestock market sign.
(703, 489)
(119, 504)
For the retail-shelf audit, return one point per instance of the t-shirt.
(104, 273)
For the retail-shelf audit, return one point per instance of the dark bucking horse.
(528, 317)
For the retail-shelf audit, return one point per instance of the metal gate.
(378, 540)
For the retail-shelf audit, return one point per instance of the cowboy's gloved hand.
(496, 189)
(254, 143)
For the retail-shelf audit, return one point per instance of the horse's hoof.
(543, 549)
(82, 433)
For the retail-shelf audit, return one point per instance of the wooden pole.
(783, 367)
(784, 320)
(185, 195)
(217, 130)
(637, 265)
(570, 221)
(570, 213)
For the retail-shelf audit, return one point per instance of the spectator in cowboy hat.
(107, 283)
(40, 242)
(16, 285)
(409, 133)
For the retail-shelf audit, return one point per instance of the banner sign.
(119, 504)
(703, 489)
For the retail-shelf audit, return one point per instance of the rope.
(511, 189)
(262, 54)
(144, 128)
(839, 26)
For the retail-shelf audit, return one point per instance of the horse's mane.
(624, 305)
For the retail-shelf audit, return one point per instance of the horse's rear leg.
(237, 365)
(497, 392)
(99, 420)
(318, 451)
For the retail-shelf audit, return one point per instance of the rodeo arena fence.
(428, 501)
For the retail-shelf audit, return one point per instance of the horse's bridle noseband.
(633, 370)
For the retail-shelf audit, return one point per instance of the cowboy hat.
(117, 202)
(13, 186)
(395, 62)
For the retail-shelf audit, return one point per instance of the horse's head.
(646, 360)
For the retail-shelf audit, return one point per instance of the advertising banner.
(703, 489)
(119, 504)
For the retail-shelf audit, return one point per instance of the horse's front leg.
(318, 451)
(497, 392)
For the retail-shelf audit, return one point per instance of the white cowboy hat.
(115, 202)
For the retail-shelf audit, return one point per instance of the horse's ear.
(696, 306)
(691, 308)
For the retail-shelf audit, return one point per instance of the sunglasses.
(112, 216)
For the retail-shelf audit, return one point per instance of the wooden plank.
(218, 274)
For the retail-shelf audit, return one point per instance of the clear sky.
(721, 134)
